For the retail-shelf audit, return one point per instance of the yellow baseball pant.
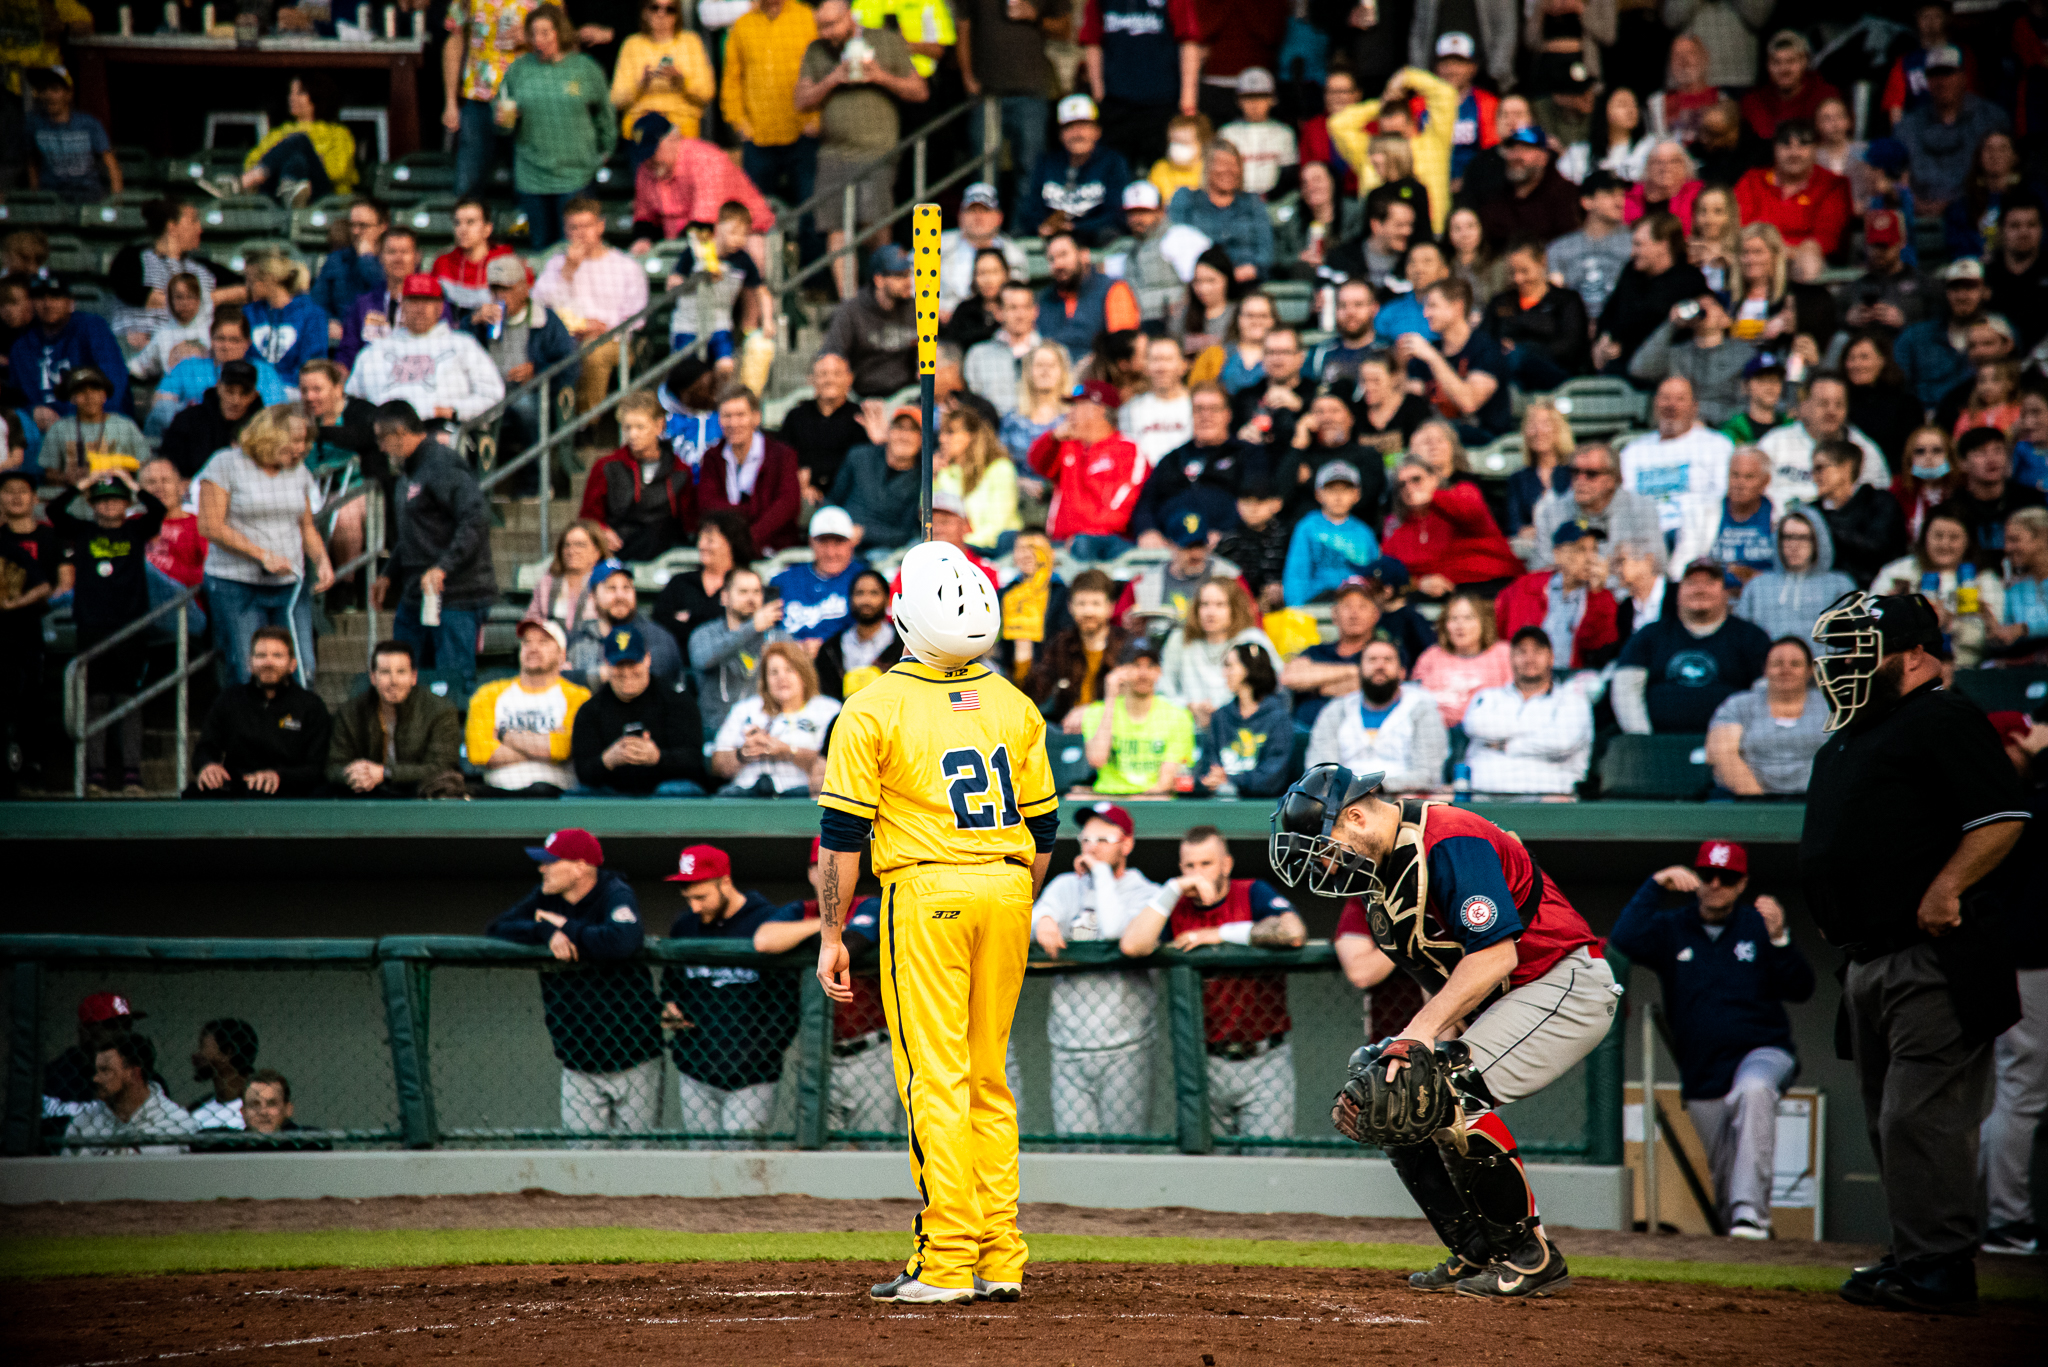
(954, 941)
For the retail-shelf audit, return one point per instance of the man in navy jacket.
(604, 1019)
(1727, 966)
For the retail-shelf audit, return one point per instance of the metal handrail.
(82, 727)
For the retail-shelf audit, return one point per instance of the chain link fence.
(464, 1042)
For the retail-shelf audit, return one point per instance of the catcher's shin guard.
(1489, 1179)
(1456, 1221)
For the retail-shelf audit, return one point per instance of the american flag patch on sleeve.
(967, 700)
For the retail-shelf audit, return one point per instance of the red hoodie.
(1525, 602)
(1095, 488)
(1820, 212)
(1454, 537)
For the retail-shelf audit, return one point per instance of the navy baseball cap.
(624, 644)
(1190, 528)
(1888, 155)
(1388, 571)
(1530, 136)
(1578, 529)
(889, 259)
(1764, 363)
(606, 568)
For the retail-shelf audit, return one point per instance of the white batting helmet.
(947, 611)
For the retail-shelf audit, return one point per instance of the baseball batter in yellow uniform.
(942, 761)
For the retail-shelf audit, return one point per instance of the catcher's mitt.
(1407, 1108)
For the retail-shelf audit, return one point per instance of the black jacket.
(199, 431)
(247, 732)
(1869, 533)
(1061, 666)
(1218, 472)
(1260, 553)
(602, 1014)
(668, 714)
(1556, 326)
(831, 661)
(1642, 301)
(442, 520)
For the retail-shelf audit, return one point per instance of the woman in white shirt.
(1943, 546)
(1191, 671)
(1619, 142)
(770, 741)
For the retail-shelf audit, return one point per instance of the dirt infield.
(1074, 1315)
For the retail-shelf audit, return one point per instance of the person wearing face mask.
(1187, 142)
(1931, 477)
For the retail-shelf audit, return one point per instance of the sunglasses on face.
(1587, 471)
(1720, 877)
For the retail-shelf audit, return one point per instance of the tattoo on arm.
(828, 894)
(1279, 932)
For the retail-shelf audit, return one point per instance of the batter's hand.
(835, 970)
(1941, 910)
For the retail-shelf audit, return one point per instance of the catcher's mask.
(1304, 844)
(1855, 634)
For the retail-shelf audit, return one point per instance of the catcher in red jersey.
(1518, 993)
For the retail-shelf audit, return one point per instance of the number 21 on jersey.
(975, 808)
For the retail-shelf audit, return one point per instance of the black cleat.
(1445, 1275)
(1536, 1269)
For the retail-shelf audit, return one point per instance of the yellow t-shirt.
(684, 108)
(946, 763)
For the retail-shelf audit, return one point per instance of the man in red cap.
(1096, 474)
(1100, 1024)
(863, 1099)
(603, 1017)
(440, 371)
(728, 1027)
(1891, 295)
(102, 1018)
(1727, 966)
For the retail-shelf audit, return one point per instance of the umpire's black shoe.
(1948, 1287)
(1445, 1275)
(1862, 1287)
(1535, 1269)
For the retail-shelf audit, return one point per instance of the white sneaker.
(998, 1291)
(1746, 1228)
(904, 1289)
(295, 194)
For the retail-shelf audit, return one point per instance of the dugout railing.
(451, 1041)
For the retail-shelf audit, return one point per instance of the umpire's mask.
(1855, 634)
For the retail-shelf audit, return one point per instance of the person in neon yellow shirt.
(1137, 741)
(312, 149)
(926, 25)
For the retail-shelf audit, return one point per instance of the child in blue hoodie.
(286, 328)
(1332, 545)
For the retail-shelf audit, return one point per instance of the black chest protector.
(1399, 916)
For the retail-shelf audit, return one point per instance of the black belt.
(859, 1044)
(1240, 1050)
(1007, 859)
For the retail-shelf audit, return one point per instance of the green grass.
(124, 1255)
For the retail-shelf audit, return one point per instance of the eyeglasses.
(1722, 877)
(1409, 481)
(1588, 471)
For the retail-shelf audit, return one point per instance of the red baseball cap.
(1105, 811)
(106, 1006)
(1097, 391)
(698, 863)
(1722, 854)
(421, 286)
(1883, 228)
(574, 843)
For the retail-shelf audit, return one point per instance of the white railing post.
(1649, 1122)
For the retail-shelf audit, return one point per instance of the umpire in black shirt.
(1910, 812)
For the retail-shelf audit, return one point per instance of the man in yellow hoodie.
(1429, 138)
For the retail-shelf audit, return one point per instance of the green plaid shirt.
(566, 126)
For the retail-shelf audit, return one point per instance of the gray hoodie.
(725, 659)
(1785, 603)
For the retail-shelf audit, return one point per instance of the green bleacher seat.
(237, 260)
(180, 172)
(250, 215)
(1671, 768)
(69, 256)
(312, 227)
(618, 220)
(2004, 690)
(37, 209)
(1293, 300)
(139, 170)
(1599, 405)
(120, 214)
(612, 182)
(426, 172)
(94, 299)
(1034, 255)
(1499, 458)
(432, 217)
(660, 263)
(511, 225)
(775, 410)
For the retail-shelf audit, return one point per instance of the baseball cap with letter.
(106, 1006)
(1141, 194)
(1722, 854)
(700, 863)
(1106, 811)
(1883, 228)
(1457, 45)
(420, 285)
(1077, 109)
(625, 644)
(574, 843)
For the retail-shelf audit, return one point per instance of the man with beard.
(618, 604)
(1386, 726)
(1539, 203)
(868, 642)
(1081, 303)
(1911, 810)
(1335, 362)
(1677, 670)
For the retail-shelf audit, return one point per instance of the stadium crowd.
(1304, 276)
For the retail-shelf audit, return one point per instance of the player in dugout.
(1519, 992)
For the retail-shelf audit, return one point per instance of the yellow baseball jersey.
(947, 764)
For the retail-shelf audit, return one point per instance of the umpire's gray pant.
(1925, 1093)
(2021, 1055)
(1740, 1131)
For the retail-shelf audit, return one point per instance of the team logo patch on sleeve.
(624, 915)
(1478, 913)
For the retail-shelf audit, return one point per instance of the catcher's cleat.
(1536, 1269)
(1444, 1276)
(904, 1289)
(998, 1291)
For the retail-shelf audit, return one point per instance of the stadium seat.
(1499, 458)
(425, 172)
(120, 214)
(254, 120)
(37, 209)
(2004, 690)
(180, 172)
(313, 226)
(377, 119)
(138, 168)
(776, 411)
(1293, 300)
(1671, 768)
(69, 256)
(254, 215)
(1599, 405)
(432, 217)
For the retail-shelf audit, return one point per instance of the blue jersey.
(1747, 541)
(815, 608)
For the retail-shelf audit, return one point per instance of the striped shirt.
(157, 272)
(762, 57)
(263, 506)
(606, 289)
